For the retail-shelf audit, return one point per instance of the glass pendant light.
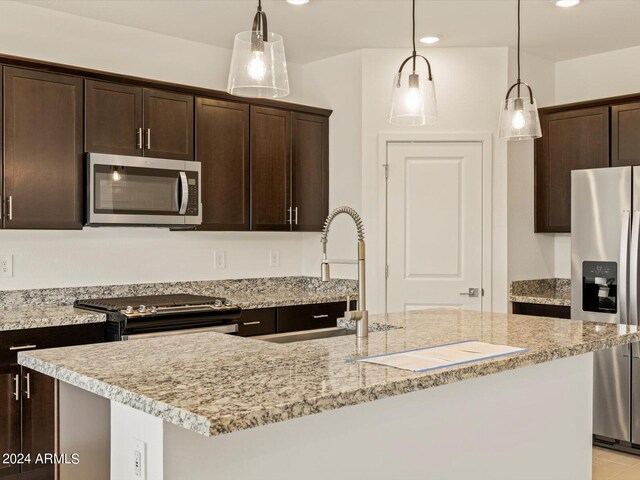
(258, 65)
(413, 98)
(519, 115)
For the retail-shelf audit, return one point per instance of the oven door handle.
(184, 184)
(229, 328)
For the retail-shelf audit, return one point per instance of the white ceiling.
(324, 28)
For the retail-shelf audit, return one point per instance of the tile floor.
(612, 465)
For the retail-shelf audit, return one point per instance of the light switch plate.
(6, 265)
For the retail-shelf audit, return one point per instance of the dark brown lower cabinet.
(10, 418)
(28, 399)
(539, 310)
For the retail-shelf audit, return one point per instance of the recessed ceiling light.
(298, 2)
(567, 3)
(430, 39)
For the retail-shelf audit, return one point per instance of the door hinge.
(386, 170)
(386, 271)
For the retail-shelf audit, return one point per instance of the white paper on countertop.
(441, 356)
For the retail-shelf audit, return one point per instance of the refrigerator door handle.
(633, 268)
(623, 269)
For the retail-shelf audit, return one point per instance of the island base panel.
(529, 423)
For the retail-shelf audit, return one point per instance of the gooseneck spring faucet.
(360, 316)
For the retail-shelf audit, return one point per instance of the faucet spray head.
(325, 272)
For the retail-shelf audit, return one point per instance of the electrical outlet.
(274, 258)
(6, 265)
(139, 459)
(220, 259)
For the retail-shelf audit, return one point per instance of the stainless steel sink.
(305, 335)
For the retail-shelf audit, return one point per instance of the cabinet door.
(270, 169)
(43, 150)
(625, 135)
(222, 145)
(168, 124)
(9, 416)
(39, 411)
(113, 116)
(571, 140)
(310, 171)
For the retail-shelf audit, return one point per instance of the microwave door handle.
(185, 193)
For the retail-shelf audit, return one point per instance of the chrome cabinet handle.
(473, 292)
(139, 138)
(295, 210)
(251, 323)
(148, 139)
(290, 216)
(16, 379)
(21, 347)
(10, 207)
(27, 391)
(321, 316)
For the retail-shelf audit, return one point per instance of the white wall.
(596, 76)
(470, 83)
(337, 84)
(115, 255)
(531, 255)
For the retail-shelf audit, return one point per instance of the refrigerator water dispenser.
(599, 287)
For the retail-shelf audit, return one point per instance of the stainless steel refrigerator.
(605, 234)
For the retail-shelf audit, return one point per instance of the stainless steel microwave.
(123, 190)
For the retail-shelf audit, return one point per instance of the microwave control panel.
(194, 202)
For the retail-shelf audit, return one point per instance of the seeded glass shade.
(413, 102)
(519, 119)
(259, 74)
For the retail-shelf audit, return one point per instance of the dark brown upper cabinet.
(625, 135)
(128, 120)
(113, 115)
(168, 125)
(43, 150)
(571, 140)
(310, 171)
(270, 169)
(222, 146)
(10, 417)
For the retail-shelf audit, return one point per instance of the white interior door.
(435, 208)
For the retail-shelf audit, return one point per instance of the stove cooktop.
(148, 301)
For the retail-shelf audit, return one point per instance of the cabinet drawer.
(539, 310)
(257, 322)
(309, 317)
(47, 337)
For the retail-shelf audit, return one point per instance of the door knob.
(473, 292)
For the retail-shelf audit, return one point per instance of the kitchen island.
(216, 406)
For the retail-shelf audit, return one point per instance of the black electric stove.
(161, 315)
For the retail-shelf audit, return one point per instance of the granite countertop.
(36, 317)
(547, 291)
(51, 307)
(215, 384)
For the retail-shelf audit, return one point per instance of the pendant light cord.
(413, 19)
(519, 48)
